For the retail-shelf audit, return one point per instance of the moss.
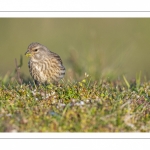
(84, 106)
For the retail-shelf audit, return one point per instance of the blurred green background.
(101, 47)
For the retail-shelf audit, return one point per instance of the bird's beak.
(28, 54)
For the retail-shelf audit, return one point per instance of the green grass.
(84, 106)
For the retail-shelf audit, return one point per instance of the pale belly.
(38, 73)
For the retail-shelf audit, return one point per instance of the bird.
(45, 66)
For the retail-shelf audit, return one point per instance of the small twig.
(18, 72)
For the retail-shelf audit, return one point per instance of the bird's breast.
(37, 71)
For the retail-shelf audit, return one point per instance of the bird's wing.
(57, 57)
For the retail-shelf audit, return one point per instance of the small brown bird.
(45, 66)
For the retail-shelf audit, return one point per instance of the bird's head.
(36, 51)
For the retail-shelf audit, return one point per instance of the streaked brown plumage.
(44, 66)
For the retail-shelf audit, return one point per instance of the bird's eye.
(36, 50)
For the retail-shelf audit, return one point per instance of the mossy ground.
(84, 106)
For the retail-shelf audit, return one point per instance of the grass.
(83, 106)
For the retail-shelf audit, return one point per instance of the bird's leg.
(37, 84)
